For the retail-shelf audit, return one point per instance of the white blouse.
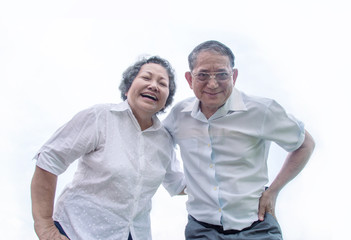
(120, 168)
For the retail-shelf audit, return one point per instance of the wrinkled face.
(215, 90)
(149, 90)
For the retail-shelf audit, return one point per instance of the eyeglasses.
(204, 76)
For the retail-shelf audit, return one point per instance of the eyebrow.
(217, 71)
(150, 73)
(146, 71)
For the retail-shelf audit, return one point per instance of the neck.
(143, 125)
(208, 114)
(207, 111)
(144, 121)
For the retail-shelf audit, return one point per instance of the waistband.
(220, 229)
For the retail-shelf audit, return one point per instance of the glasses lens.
(202, 76)
(222, 76)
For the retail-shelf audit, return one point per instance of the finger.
(261, 213)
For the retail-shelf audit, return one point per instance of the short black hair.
(211, 45)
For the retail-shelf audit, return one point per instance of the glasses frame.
(211, 75)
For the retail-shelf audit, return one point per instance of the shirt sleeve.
(174, 181)
(74, 139)
(167, 122)
(282, 128)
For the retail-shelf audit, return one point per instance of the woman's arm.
(43, 190)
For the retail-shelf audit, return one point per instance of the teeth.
(149, 96)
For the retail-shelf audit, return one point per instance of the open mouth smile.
(150, 96)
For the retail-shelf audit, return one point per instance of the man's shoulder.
(185, 104)
(255, 100)
(179, 111)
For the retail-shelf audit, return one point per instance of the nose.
(212, 83)
(153, 85)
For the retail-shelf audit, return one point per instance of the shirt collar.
(124, 106)
(235, 103)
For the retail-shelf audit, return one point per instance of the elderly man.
(224, 137)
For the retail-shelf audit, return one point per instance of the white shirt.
(225, 156)
(120, 168)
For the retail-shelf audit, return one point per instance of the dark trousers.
(59, 227)
(268, 229)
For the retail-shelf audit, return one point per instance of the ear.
(235, 75)
(189, 78)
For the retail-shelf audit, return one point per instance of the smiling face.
(149, 91)
(212, 93)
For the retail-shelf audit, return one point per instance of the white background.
(59, 57)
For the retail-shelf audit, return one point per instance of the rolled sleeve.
(174, 181)
(282, 128)
(71, 141)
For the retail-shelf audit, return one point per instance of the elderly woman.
(124, 154)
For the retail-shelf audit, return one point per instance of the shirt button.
(215, 188)
(208, 145)
(220, 210)
(211, 165)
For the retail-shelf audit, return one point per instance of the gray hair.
(131, 72)
(210, 46)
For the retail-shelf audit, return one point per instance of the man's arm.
(293, 165)
(43, 189)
